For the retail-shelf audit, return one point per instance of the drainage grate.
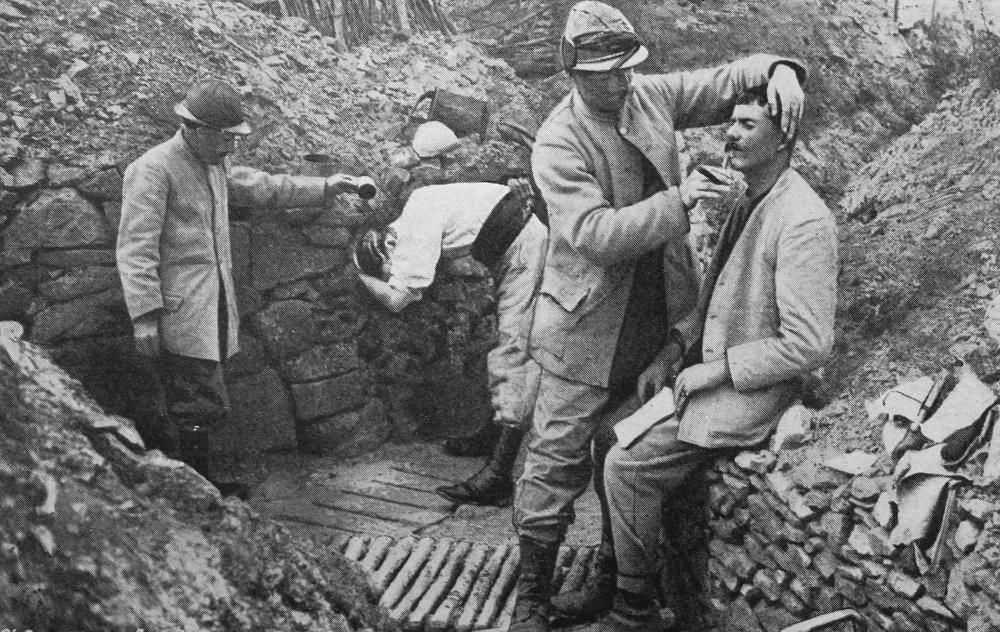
(442, 584)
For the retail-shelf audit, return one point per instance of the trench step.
(443, 585)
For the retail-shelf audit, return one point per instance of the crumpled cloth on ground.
(921, 484)
(962, 408)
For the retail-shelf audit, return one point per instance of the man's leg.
(197, 401)
(637, 480)
(494, 483)
(556, 473)
(514, 376)
(504, 364)
(597, 593)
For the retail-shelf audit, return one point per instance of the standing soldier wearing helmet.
(175, 263)
(619, 284)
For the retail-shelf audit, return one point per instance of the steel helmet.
(214, 104)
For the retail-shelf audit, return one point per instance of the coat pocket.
(556, 313)
(172, 302)
(567, 293)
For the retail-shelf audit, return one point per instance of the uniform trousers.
(513, 375)
(637, 480)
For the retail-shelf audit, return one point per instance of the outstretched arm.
(256, 189)
(392, 298)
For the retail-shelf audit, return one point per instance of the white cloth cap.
(434, 138)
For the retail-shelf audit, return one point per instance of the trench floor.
(390, 491)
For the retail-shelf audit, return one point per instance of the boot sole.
(500, 502)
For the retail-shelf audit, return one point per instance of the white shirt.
(439, 220)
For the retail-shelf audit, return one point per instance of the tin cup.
(366, 187)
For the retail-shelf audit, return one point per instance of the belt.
(504, 223)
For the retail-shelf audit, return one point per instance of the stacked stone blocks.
(321, 367)
(782, 551)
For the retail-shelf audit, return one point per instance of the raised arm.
(704, 97)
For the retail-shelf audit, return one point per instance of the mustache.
(730, 146)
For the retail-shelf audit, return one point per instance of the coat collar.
(179, 145)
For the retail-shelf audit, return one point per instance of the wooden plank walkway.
(391, 492)
(436, 566)
(433, 585)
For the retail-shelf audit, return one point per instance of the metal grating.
(443, 584)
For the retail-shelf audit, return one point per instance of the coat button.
(623, 130)
(712, 316)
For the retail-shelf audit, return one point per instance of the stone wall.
(786, 545)
(321, 365)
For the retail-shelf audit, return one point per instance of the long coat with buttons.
(769, 313)
(173, 241)
(590, 172)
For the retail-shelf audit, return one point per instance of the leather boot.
(597, 593)
(534, 586)
(479, 443)
(195, 450)
(494, 484)
(632, 613)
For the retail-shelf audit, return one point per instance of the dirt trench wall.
(321, 365)
(99, 535)
(788, 545)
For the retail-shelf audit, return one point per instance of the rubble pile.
(98, 534)
(88, 79)
(788, 545)
(919, 261)
(906, 534)
(318, 368)
(13, 11)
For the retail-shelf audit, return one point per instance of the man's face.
(211, 145)
(603, 91)
(753, 139)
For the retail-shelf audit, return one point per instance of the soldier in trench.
(496, 225)
(765, 319)
(616, 304)
(176, 267)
